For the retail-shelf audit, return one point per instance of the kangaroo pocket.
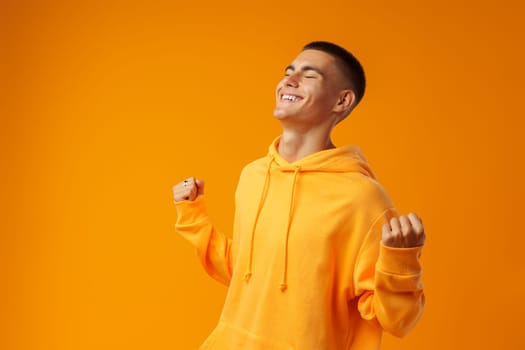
(229, 337)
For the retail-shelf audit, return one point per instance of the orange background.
(106, 105)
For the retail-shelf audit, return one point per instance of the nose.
(291, 80)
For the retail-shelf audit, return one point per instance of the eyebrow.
(305, 68)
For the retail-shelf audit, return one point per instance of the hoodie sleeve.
(388, 281)
(213, 248)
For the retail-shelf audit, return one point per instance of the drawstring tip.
(247, 276)
(282, 287)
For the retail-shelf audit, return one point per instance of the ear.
(345, 102)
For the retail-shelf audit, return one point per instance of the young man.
(319, 259)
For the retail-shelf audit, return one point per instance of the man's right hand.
(188, 189)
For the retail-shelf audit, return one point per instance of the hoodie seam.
(366, 238)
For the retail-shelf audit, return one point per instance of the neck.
(295, 145)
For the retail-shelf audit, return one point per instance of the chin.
(277, 113)
(281, 116)
(281, 113)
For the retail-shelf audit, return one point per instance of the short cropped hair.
(352, 69)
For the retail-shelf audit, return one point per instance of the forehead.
(316, 58)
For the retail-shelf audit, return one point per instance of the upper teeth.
(289, 97)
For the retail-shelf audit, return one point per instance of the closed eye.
(307, 70)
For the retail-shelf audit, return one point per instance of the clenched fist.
(404, 232)
(188, 189)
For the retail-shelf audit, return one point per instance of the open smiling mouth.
(290, 98)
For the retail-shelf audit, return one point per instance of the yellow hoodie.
(305, 268)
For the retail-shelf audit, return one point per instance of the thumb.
(200, 186)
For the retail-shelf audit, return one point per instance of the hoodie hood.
(343, 159)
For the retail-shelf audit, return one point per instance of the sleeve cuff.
(400, 261)
(190, 212)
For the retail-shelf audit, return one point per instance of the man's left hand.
(404, 232)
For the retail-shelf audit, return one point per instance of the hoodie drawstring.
(248, 273)
(284, 283)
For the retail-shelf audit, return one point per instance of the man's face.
(310, 88)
